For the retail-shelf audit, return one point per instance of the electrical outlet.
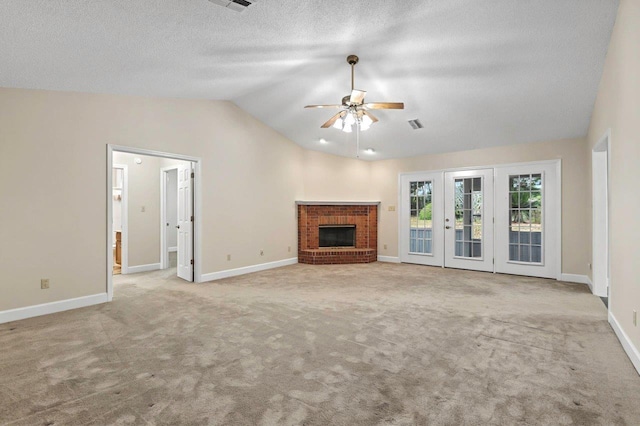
(385, 246)
(143, 209)
(392, 208)
(44, 283)
(228, 257)
(635, 318)
(261, 252)
(289, 249)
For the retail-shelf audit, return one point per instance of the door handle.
(177, 226)
(447, 227)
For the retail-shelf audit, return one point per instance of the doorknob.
(447, 227)
(177, 226)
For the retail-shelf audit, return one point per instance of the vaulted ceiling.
(476, 73)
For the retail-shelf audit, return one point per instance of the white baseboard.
(575, 278)
(172, 249)
(629, 348)
(390, 259)
(590, 283)
(51, 307)
(143, 268)
(247, 269)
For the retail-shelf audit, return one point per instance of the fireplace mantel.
(313, 214)
(338, 203)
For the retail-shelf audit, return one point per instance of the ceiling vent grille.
(415, 124)
(237, 5)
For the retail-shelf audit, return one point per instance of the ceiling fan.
(353, 109)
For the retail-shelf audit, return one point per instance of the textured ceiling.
(476, 73)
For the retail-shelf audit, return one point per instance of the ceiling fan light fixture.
(354, 112)
(349, 120)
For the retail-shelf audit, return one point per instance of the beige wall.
(332, 178)
(53, 183)
(143, 191)
(251, 176)
(618, 107)
(384, 187)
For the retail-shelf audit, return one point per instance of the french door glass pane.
(420, 226)
(525, 214)
(468, 217)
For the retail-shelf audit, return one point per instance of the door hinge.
(193, 175)
(192, 261)
(494, 261)
(191, 218)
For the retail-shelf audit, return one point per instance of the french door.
(468, 213)
(527, 220)
(503, 219)
(422, 219)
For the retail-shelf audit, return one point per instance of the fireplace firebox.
(337, 236)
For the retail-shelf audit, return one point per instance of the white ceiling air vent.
(415, 124)
(237, 5)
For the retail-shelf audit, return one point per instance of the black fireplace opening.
(337, 236)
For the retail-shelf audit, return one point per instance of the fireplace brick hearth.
(313, 214)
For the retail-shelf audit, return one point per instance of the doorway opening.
(119, 214)
(600, 184)
(148, 224)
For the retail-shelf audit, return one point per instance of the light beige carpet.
(376, 344)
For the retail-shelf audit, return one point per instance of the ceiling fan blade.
(324, 106)
(357, 96)
(333, 119)
(384, 105)
(371, 116)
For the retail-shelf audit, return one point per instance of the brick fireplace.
(312, 215)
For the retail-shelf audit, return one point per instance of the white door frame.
(124, 218)
(164, 249)
(197, 212)
(557, 213)
(601, 259)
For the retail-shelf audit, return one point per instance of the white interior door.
(468, 226)
(528, 220)
(185, 223)
(422, 219)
